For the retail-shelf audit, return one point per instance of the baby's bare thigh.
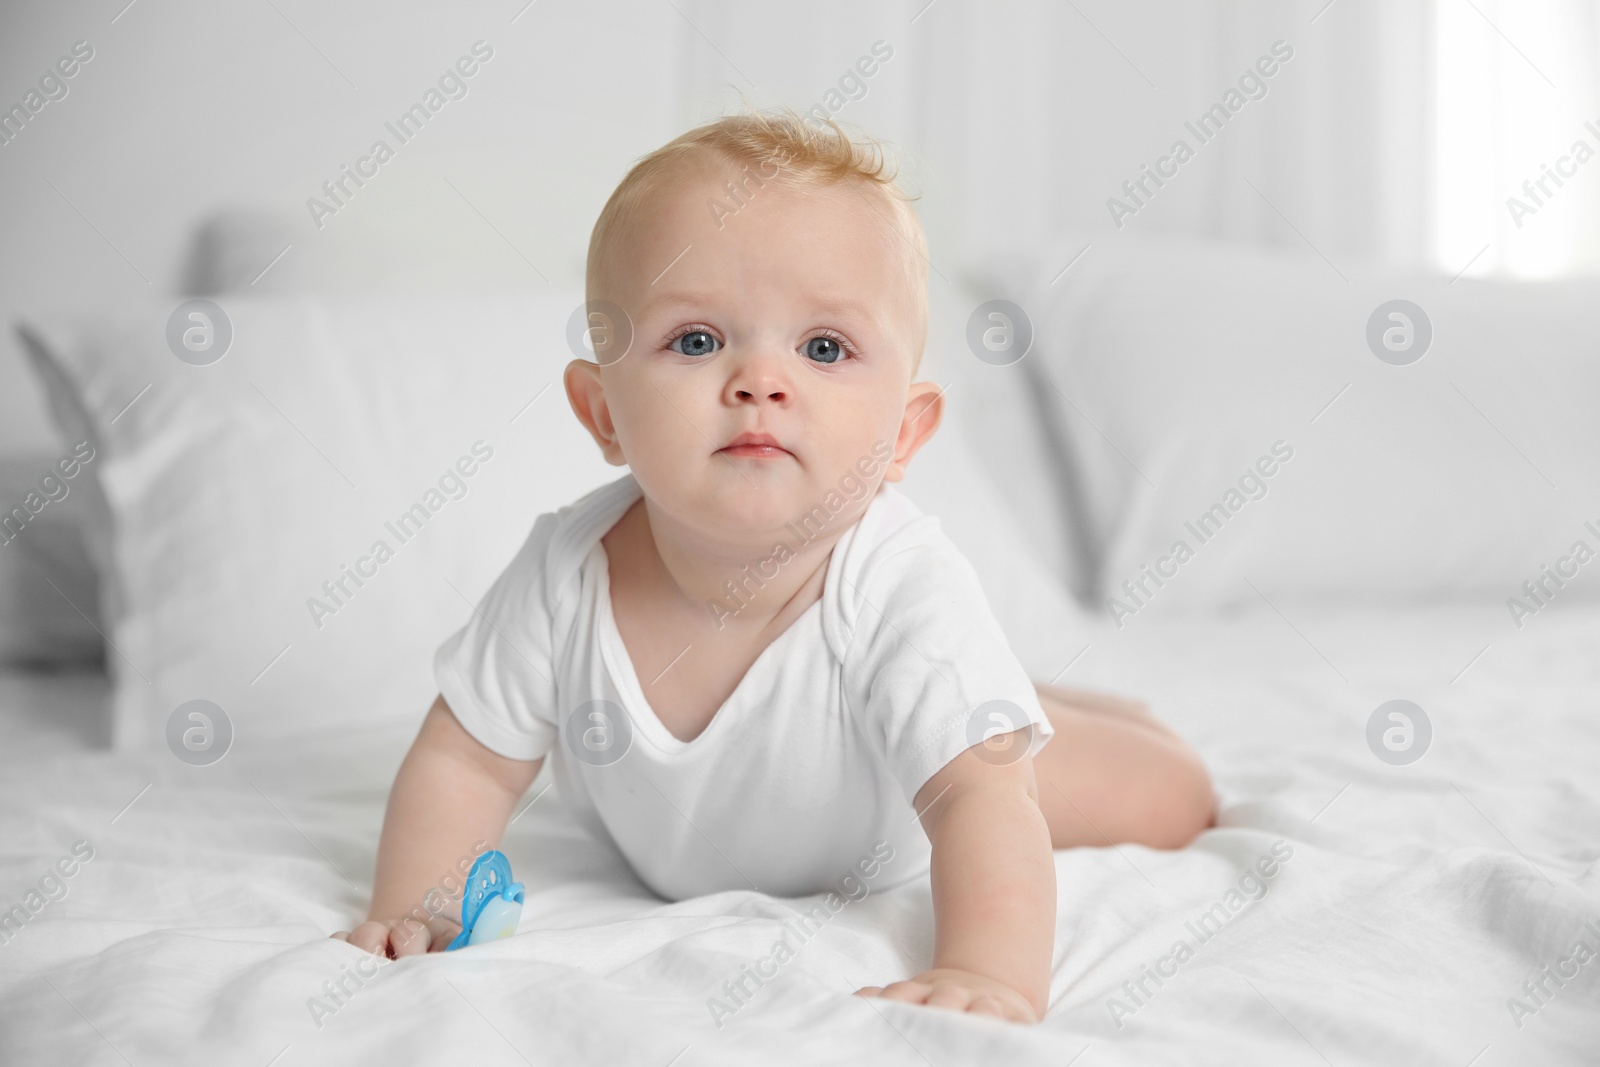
(1113, 774)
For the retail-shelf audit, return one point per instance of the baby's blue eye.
(824, 350)
(695, 343)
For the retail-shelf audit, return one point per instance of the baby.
(755, 664)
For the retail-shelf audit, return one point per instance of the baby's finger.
(987, 1004)
(907, 992)
(954, 997)
(442, 939)
(409, 938)
(370, 937)
(869, 991)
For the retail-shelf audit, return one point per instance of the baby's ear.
(924, 412)
(587, 396)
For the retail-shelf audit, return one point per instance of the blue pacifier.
(491, 907)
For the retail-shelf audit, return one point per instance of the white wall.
(1017, 121)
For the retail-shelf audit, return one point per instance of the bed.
(1428, 900)
(1416, 904)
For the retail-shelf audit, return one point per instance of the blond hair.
(809, 150)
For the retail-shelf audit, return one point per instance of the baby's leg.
(1113, 774)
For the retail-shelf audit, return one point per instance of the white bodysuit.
(809, 766)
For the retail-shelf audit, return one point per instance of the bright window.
(1514, 88)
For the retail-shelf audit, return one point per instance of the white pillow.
(237, 489)
(1005, 425)
(986, 475)
(1458, 474)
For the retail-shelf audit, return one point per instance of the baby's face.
(796, 322)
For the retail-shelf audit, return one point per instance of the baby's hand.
(958, 990)
(401, 937)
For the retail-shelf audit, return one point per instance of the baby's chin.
(746, 502)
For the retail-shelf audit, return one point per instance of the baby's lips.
(754, 438)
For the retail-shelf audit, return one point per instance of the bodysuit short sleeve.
(496, 671)
(929, 672)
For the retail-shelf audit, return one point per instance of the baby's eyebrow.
(671, 300)
(830, 305)
(846, 306)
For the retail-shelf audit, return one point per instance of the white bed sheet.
(1417, 900)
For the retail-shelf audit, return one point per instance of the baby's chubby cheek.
(664, 435)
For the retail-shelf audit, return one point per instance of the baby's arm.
(451, 796)
(994, 892)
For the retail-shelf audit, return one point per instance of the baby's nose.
(774, 393)
(758, 379)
